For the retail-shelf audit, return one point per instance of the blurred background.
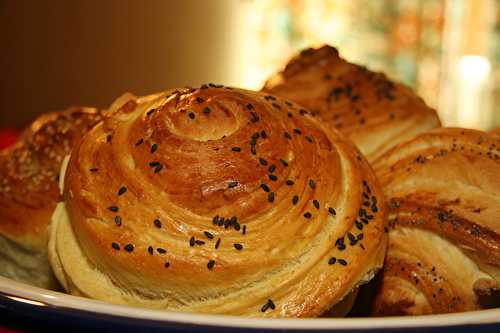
(57, 53)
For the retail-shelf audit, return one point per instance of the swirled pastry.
(29, 192)
(373, 111)
(443, 191)
(217, 200)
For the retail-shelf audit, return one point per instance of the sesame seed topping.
(307, 215)
(208, 234)
(342, 262)
(115, 246)
(154, 147)
(232, 184)
(122, 190)
(113, 208)
(316, 203)
(270, 197)
(129, 248)
(273, 177)
(118, 220)
(265, 187)
(332, 261)
(238, 246)
(161, 250)
(295, 199)
(218, 243)
(211, 264)
(236, 149)
(157, 223)
(312, 184)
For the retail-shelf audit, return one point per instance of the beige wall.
(66, 52)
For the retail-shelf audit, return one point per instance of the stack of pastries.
(222, 200)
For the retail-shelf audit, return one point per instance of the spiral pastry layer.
(217, 200)
(373, 111)
(443, 193)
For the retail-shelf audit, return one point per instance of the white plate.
(60, 308)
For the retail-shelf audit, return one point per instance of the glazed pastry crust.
(29, 190)
(373, 111)
(443, 192)
(187, 156)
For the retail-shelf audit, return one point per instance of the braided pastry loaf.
(29, 173)
(443, 190)
(217, 200)
(374, 112)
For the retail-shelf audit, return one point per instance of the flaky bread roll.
(443, 190)
(29, 192)
(217, 200)
(373, 111)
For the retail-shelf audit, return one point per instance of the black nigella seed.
(289, 182)
(154, 164)
(270, 197)
(218, 243)
(118, 220)
(309, 138)
(129, 248)
(191, 241)
(297, 131)
(263, 134)
(93, 169)
(154, 147)
(236, 149)
(374, 208)
(342, 262)
(254, 117)
(287, 135)
(113, 209)
(332, 211)
(206, 110)
(255, 136)
(265, 187)
(167, 264)
(312, 184)
(139, 142)
(232, 184)
(295, 199)
(150, 112)
(109, 138)
(332, 261)
(161, 250)
(208, 234)
(191, 115)
(253, 141)
(359, 225)
(211, 264)
(351, 237)
(253, 150)
(262, 161)
(269, 305)
(199, 242)
(115, 246)
(238, 246)
(199, 99)
(244, 230)
(220, 222)
(316, 203)
(271, 168)
(273, 178)
(157, 223)
(276, 105)
(122, 190)
(270, 98)
(290, 115)
(307, 215)
(150, 250)
(236, 226)
(285, 163)
(360, 237)
(249, 106)
(158, 168)
(302, 112)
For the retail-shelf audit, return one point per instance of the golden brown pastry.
(443, 192)
(496, 131)
(217, 200)
(373, 111)
(29, 192)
